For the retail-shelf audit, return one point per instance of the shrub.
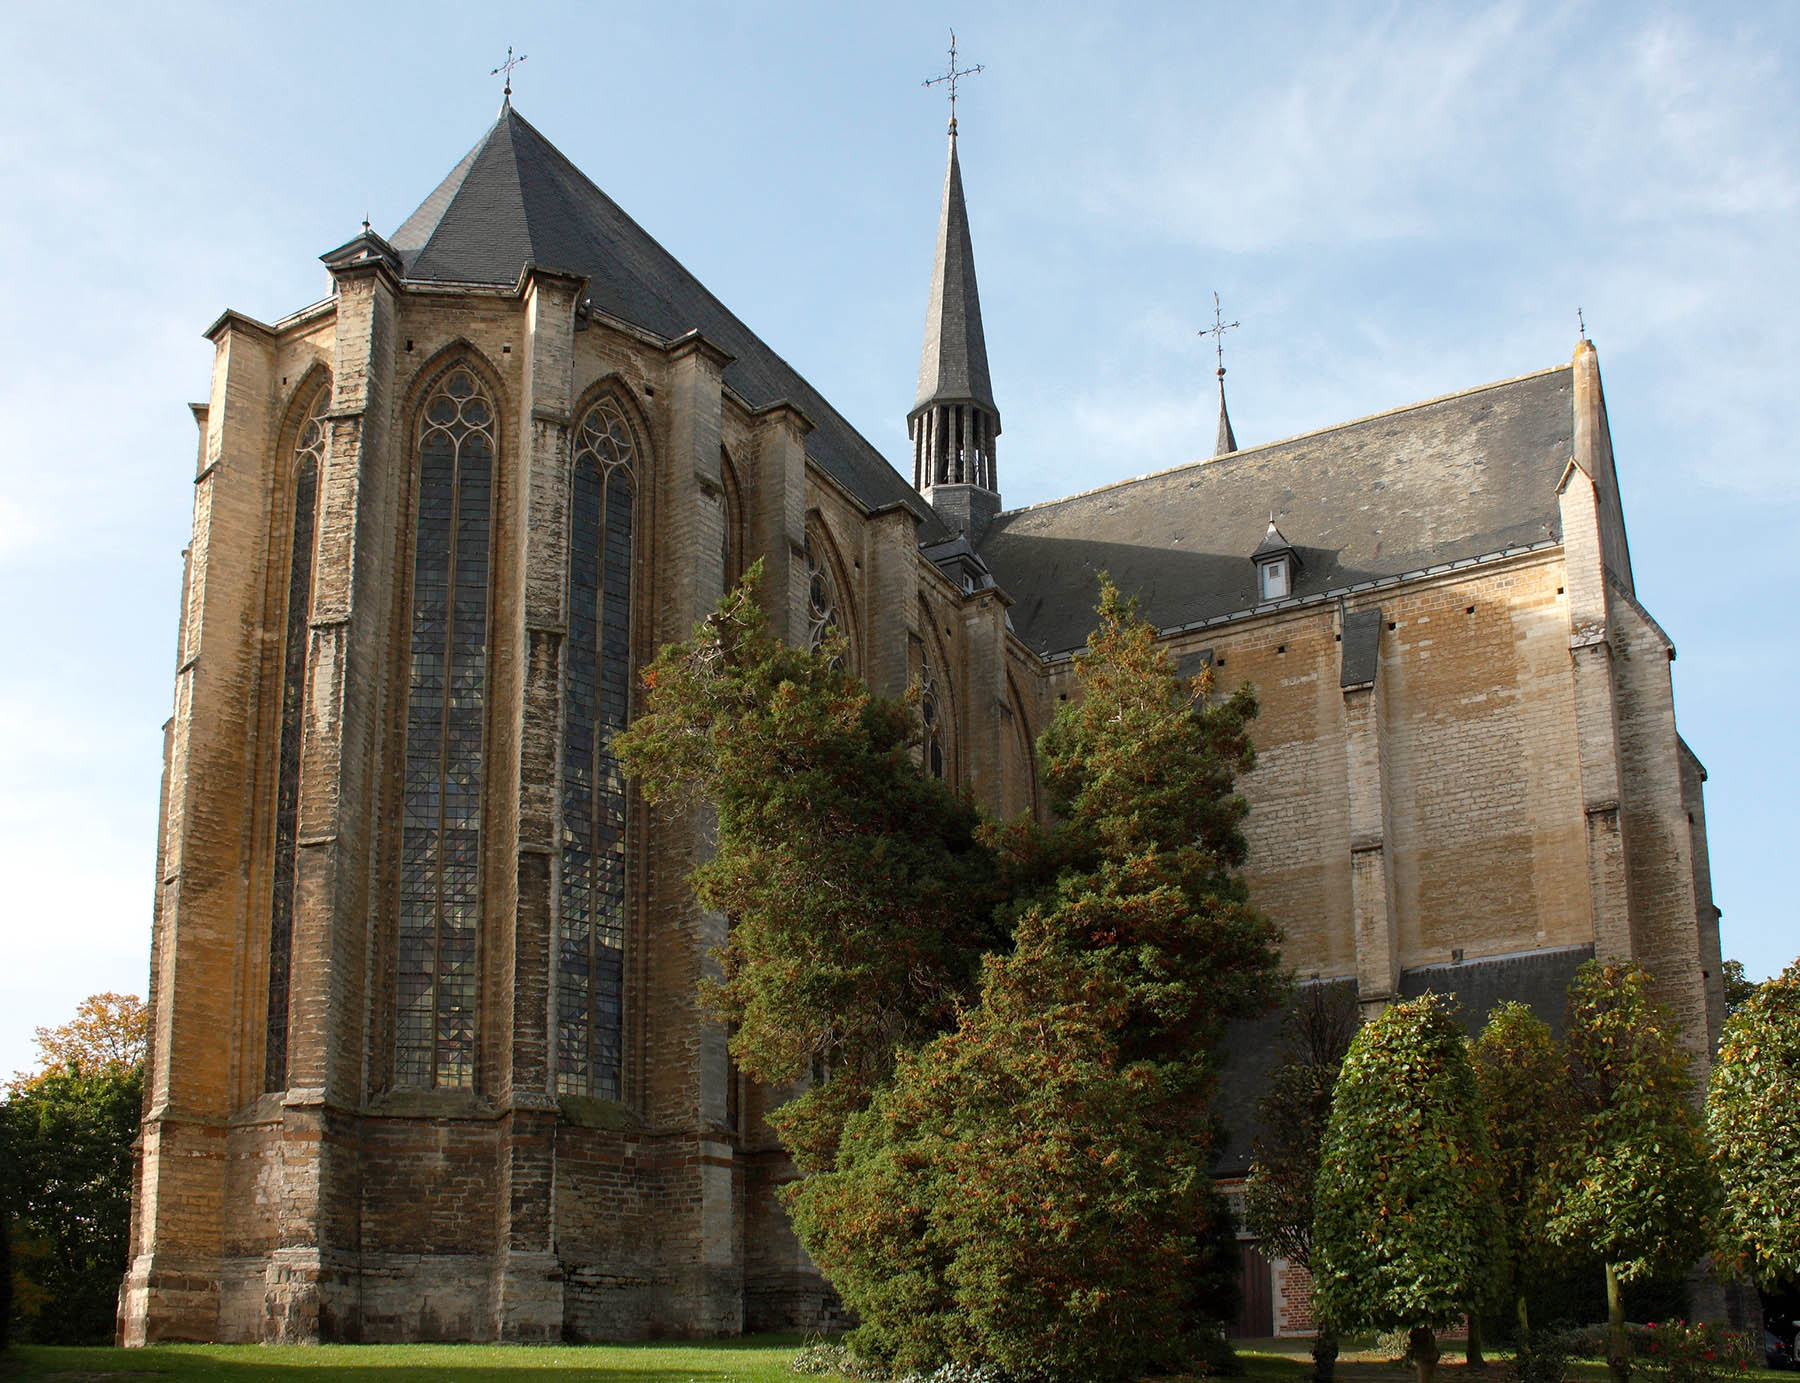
(1542, 1356)
(1697, 1352)
(826, 1358)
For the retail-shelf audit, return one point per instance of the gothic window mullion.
(309, 449)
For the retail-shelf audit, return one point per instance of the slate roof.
(953, 365)
(516, 200)
(1254, 1047)
(1458, 477)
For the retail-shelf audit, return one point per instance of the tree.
(1738, 985)
(67, 1137)
(861, 897)
(1630, 1182)
(1032, 1190)
(1407, 1207)
(1753, 1119)
(1292, 1118)
(1519, 1069)
(109, 1032)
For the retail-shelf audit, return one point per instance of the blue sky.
(1397, 202)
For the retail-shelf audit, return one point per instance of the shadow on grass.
(760, 1359)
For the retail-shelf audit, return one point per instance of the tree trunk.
(1472, 1356)
(1423, 1347)
(1524, 1315)
(1324, 1352)
(1618, 1347)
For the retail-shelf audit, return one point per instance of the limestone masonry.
(426, 1056)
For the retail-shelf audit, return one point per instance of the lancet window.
(824, 604)
(596, 691)
(308, 457)
(440, 864)
(931, 722)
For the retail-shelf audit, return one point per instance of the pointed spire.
(953, 367)
(954, 419)
(1227, 441)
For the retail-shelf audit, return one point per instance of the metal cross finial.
(1581, 322)
(1217, 331)
(507, 67)
(952, 76)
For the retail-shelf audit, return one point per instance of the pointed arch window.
(596, 694)
(440, 868)
(825, 611)
(309, 456)
(931, 722)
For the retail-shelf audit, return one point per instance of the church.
(427, 1060)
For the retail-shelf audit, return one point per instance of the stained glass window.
(440, 860)
(591, 912)
(309, 453)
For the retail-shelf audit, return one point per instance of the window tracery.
(824, 604)
(596, 691)
(440, 869)
(309, 455)
(931, 721)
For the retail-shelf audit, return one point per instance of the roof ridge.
(1214, 461)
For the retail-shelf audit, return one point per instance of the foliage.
(1292, 1116)
(860, 896)
(1753, 1119)
(1738, 985)
(1407, 1206)
(67, 1137)
(1700, 1352)
(109, 1032)
(1630, 1183)
(1519, 1069)
(1032, 1190)
(1541, 1356)
(832, 1357)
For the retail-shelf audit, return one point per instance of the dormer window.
(1277, 564)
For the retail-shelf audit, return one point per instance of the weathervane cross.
(1217, 331)
(952, 77)
(507, 67)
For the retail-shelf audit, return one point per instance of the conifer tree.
(1032, 1190)
(1630, 1182)
(1519, 1067)
(1753, 1119)
(860, 896)
(1407, 1210)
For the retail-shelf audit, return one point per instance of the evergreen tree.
(1292, 1116)
(1407, 1208)
(1033, 1189)
(861, 897)
(1630, 1183)
(1519, 1067)
(1753, 1119)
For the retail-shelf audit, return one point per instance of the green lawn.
(760, 1359)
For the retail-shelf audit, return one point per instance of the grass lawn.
(760, 1359)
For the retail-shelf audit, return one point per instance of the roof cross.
(1217, 331)
(952, 77)
(507, 67)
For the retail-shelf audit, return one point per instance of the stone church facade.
(426, 1056)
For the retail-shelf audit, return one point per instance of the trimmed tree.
(1630, 1183)
(1292, 1118)
(1519, 1068)
(1407, 1209)
(1753, 1119)
(861, 897)
(1032, 1191)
